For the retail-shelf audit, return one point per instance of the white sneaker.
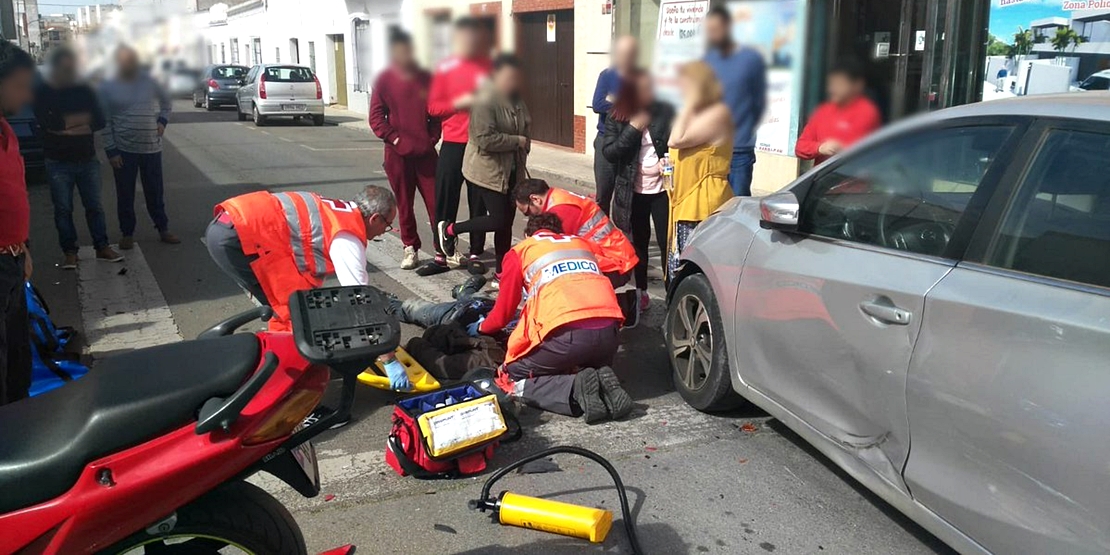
(411, 258)
(456, 261)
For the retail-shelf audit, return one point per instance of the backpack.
(51, 366)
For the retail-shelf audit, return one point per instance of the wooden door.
(340, 53)
(548, 74)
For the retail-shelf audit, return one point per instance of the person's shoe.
(446, 242)
(472, 283)
(645, 300)
(475, 266)
(108, 254)
(629, 302)
(456, 261)
(322, 412)
(169, 238)
(69, 262)
(616, 399)
(431, 268)
(411, 258)
(127, 242)
(587, 393)
(495, 285)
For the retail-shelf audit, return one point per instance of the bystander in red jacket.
(846, 118)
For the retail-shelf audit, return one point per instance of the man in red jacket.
(450, 98)
(17, 70)
(399, 116)
(847, 117)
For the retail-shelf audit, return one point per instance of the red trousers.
(408, 174)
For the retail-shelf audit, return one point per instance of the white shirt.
(348, 255)
(648, 180)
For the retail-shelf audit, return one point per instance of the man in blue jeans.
(69, 114)
(743, 76)
(136, 112)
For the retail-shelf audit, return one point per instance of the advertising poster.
(680, 38)
(1047, 46)
(772, 27)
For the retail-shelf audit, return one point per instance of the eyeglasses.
(388, 228)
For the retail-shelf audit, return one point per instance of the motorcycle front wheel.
(236, 518)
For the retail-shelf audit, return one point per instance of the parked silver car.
(931, 310)
(280, 90)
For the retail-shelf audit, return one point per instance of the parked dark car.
(218, 86)
(30, 140)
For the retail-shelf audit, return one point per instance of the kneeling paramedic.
(559, 356)
(274, 244)
(583, 217)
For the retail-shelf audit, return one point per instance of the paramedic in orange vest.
(582, 217)
(559, 355)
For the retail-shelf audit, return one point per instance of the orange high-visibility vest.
(564, 284)
(291, 233)
(615, 252)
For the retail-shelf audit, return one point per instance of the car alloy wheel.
(692, 343)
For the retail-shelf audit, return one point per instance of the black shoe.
(615, 397)
(587, 393)
(474, 266)
(323, 412)
(473, 284)
(431, 268)
(629, 301)
(446, 242)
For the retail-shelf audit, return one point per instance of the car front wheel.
(696, 344)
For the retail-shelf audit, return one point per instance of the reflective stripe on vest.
(316, 231)
(550, 259)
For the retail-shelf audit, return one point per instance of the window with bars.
(256, 45)
(363, 55)
(312, 56)
(234, 51)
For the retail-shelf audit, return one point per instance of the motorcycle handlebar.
(228, 326)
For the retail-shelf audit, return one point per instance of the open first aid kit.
(447, 433)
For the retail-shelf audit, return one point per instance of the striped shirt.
(132, 111)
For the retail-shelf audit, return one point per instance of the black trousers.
(15, 334)
(449, 182)
(226, 251)
(544, 378)
(500, 212)
(648, 209)
(605, 176)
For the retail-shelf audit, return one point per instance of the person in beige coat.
(496, 157)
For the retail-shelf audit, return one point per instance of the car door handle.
(885, 311)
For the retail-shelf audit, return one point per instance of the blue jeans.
(147, 167)
(427, 314)
(85, 177)
(740, 173)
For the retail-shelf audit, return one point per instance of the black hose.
(626, 513)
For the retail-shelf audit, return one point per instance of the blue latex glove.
(398, 378)
(472, 330)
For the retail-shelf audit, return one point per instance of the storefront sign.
(679, 39)
(550, 27)
(1046, 46)
(772, 27)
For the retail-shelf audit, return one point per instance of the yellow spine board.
(421, 380)
(555, 517)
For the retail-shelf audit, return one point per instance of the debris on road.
(540, 466)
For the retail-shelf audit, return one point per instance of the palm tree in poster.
(1023, 42)
(1065, 38)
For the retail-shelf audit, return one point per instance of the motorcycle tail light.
(213, 84)
(284, 420)
(319, 91)
(262, 86)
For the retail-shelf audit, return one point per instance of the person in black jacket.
(636, 135)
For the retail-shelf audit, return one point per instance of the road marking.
(341, 149)
(285, 139)
(122, 306)
(264, 132)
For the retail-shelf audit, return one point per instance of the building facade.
(343, 41)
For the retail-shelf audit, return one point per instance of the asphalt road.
(735, 483)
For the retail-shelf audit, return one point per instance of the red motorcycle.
(148, 453)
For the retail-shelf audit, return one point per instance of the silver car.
(280, 90)
(931, 310)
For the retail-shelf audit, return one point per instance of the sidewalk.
(559, 167)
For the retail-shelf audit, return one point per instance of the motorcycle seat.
(46, 441)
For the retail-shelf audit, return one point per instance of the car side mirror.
(779, 211)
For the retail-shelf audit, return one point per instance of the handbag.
(448, 433)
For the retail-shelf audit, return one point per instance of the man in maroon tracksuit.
(399, 116)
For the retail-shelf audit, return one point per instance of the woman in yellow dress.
(701, 150)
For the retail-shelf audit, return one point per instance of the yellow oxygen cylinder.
(555, 517)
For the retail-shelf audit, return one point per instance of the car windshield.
(1096, 83)
(289, 74)
(229, 72)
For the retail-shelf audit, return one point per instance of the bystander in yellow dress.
(700, 187)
